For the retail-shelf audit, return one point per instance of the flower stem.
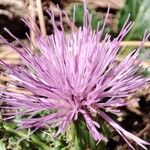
(82, 139)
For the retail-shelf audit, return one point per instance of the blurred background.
(136, 117)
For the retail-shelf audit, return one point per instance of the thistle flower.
(74, 75)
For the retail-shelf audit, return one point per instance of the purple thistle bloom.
(72, 76)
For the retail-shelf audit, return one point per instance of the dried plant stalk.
(41, 17)
(32, 21)
(134, 44)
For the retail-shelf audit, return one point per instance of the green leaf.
(139, 13)
(146, 73)
(2, 145)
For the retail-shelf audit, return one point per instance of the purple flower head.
(75, 74)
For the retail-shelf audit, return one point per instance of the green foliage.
(140, 14)
(139, 11)
(2, 144)
(77, 138)
(23, 139)
(146, 73)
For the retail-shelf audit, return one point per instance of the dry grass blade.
(41, 17)
(134, 44)
(32, 21)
